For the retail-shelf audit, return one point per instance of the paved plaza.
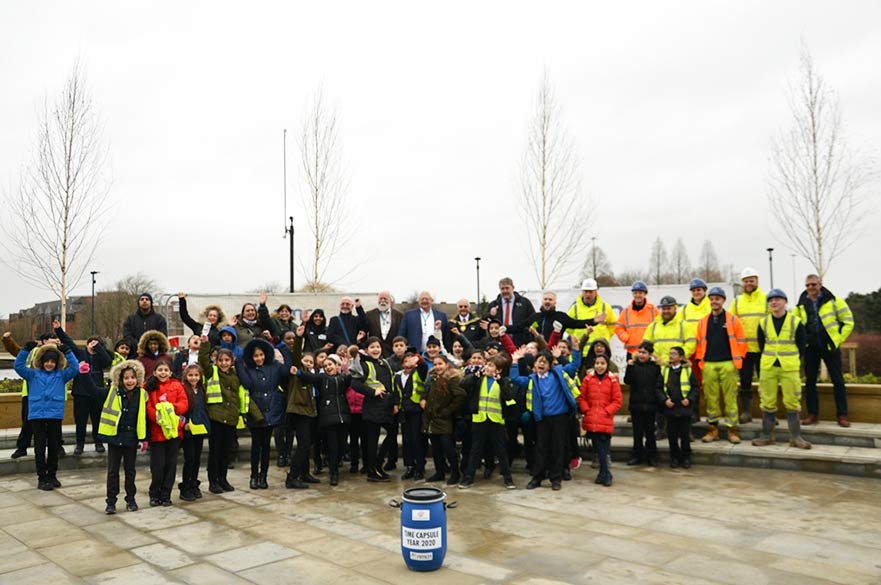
(706, 525)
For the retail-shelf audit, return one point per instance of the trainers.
(509, 483)
(533, 483)
(131, 506)
(467, 482)
(575, 463)
(110, 509)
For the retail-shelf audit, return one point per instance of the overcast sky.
(672, 106)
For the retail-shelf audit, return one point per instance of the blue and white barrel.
(423, 528)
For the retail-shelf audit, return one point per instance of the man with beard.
(384, 321)
(144, 319)
(347, 328)
(545, 319)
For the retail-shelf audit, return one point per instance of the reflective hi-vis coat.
(601, 312)
(668, 335)
(750, 308)
(632, 324)
(214, 395)
(780, 346)
(691, 314)
(835, 316)
(418, 387)
(736, 339)
(489, 404)
(112, 410)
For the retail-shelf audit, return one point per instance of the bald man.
(466, 322)
(420, 323)
(347, 328)
(384, 321)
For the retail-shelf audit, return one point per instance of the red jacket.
(174, 392)
(599, 401)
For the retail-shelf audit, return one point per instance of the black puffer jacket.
(377, 409)
(92, 384)
(643, 379)
(333, 408)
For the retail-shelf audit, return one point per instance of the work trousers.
(720, 384)
(126, 456)
(84, 408)
(789, 383)
(47, 438)
(261, 442)
(551, 435)
(192, 448)
(644, 444)
(492, 435)
(832, 359)
(415, 443)
(163, 468)
(221, 438)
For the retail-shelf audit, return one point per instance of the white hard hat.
(748, 272)
(589, 284)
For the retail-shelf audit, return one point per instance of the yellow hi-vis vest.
(601, 312)
(780, 346)
(573, 388)
(684, 380)
(371, 381)
(418, 388)
(490, 404)
(836, 318)
(669, 335)
(109, 421)
(167, 419)
(29, 363)
(750, 308)
(213, 395)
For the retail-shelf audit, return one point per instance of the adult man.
(751, 307)
(668, 331)
(548, 319)
(384, 321)
(635, 318)
(721, 347)
(420, 324)
(781, 339)
(692, 312)
(590, 306)
(828, 322)
(346, 328)
(144, 319)
(466, 322)
(511, 307)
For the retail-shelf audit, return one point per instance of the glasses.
(812, 284)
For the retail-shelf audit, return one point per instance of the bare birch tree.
(818, 185)
(63, 194)
(680, 266)
(325, 192)
(708, 263)
(553, 205)
(596, 265)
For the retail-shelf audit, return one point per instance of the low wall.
(10, 411)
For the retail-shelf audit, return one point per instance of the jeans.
(832, 358)
(126, 456)
(163, 468)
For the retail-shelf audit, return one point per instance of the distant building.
(32, 322)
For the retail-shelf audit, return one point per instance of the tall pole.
(477, 303)
(794, 290)
(94, 272)
(771, 264)
(291, 232)
(288, 230)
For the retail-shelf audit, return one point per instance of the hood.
(248, 352)
(37, 362)
(164, 346)
(235, 336)
(116, 372)
(310, 326)
(221, 316)
(591, 353)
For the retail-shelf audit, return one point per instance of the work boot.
(795, 438)
(712, 434)
(843, 422)
(810, 419)
(767, 436)
(746, 407)
(733, 436)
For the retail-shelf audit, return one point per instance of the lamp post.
(477, 302)
(771, 264)
(290, 231)
(794, 290)
(94, 272)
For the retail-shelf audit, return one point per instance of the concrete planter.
(10, 411)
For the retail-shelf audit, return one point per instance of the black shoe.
(436, 477)
(154, 502)
(467, 482)
(533, 483)
(634, 461)
(353, 468)
(334, 478)
(61, 453)
(187, 496)
(686, 463)
(599, 479)
(509, 483)
(110, 509)
(567, 475)
(225, 485)
(19, 453)
(409, 473)
(215, 488)
(556, 485)
(309, 478)
(99, 448)
(253, 483)
(363, 470)
(418, 476)
(390, 466)
(166, 502)
(280, 461)
(78, 450)
(295, 483)
(262, 483)
(375, 477)
(488, 471)
(607, 481)
(454, 479)
(195, 489)
(385, 476)
(53, 481)
(674, 464)
(652, 462)
(44, 485)
(131, 506)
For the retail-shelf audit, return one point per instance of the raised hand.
(301, 330)
(262, 298)
(181, 295)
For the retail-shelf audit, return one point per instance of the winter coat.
(600, 399)
(91, 384)
(246, 333)
(139, 323)
(280, 327)
(674, 388)
(196, 327)
(300, 398)
(444, 399)
(227, 411)
(233, 346)
(343, 329)
(197, 411)
(149, 360)
(315, 337)
(333, 409)
(377, 409)
(169, 391)
(643, 379)
(46, 390)
(521, 313)
(264, 383)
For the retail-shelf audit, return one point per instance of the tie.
(507, 313)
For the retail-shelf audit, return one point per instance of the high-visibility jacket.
(684, 381)
(691, 314)
(668, 335)
(418, 388)
(489, 404)
(213, 393)
(835, 316)
(112, 410)
(750, 308)
(632, 324)
(30, 363)
(167, 420)
(736, 339)
(601, 312)
(780, 346)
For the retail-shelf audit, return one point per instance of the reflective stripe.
(490, 405)
(684, 381)
(213, 395)
(780, 347)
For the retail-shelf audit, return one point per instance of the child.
(487, 391)
(166, 404)
(399, 348)
(644, 378)
(409, 384)
(196, 427)
(374, 381)
(229, 339)
(187, 357)
(444, 397)
(357, 437)
(333, 410)
(263, 378)
(676, 391)
(152, 348)
(52, 368)
(122, 350)
(302, 413)
(599, 400)
(123, 426)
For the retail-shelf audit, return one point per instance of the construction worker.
(782, 339)
(828, 322)
(635, 318)
(589, 305)
(721, 347)
(693, 311)
(751, 307)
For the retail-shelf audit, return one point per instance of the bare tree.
(817, 184)
(680, 266)
(62, 196)
(325, 192)
(708, 263)
(658, 261)
(596, 265)
(114, 304)
(630, 276)
(553, 205)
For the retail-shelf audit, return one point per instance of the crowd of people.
(481, 390)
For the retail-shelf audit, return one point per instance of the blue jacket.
(557, 372)
(46, 389)
(264, 383)
(234, 346)
(411, 328)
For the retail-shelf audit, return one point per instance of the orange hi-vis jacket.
(632, 324)
(736, 339)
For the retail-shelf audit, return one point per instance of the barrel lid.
(424, 495)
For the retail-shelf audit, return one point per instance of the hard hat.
(776, 293)
(697, 283)
(667, 301)
(589, 284)
(639, 285)
(747, 272)
(718, 291)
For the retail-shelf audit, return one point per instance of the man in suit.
(511, 307)
(419, 324)
(384, 321)
(466, 322)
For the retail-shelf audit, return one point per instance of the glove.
(524, 418)
(62, 347)
(163, 398)
(502, 330)
(30, 345)
(85, 368)
(151, 384)
(558, 326)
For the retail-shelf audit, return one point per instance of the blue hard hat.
(776, 293)
(717, 291)
(639, 285)
(697, 283)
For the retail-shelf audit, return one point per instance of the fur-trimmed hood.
(117, 370)
(37, 362)
(248, 352)
(148, 336)
(221, 316)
